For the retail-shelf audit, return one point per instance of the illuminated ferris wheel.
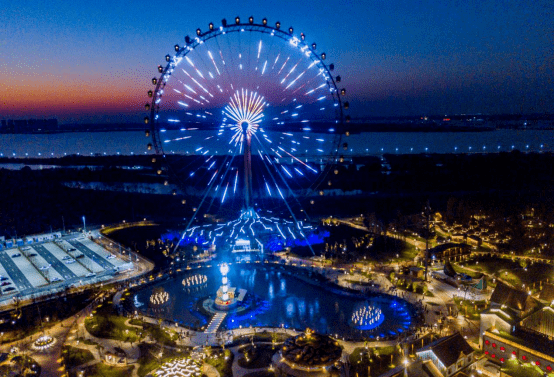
(246, 116)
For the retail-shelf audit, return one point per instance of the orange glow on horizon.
(56, 97)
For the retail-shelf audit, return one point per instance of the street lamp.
(84, 225)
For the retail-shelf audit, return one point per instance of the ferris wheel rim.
(238, 27)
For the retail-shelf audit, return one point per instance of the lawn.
(386, 248)
(167, 337)
(514, 271)
(498, 267)
(471, 309)
(76, 356)
(103, 370)
(222, 361)
(150, 357)
(23, 366)
(400, 281)
(106, 324)
(461, 270)
(514, 368)
(88, 342)
(258, 357)
(374, 361)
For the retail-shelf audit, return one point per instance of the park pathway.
(216, 321)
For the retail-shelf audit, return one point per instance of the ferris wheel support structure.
(283, 170)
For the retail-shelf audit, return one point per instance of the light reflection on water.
(270, 293)
(298, 304)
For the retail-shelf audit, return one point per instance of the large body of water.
(371, 143)
(286, 301)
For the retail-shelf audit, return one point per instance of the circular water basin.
(279, 296)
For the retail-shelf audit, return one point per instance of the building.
(450, 252)
(414, 272)
(417, 368)
(508, 306)
(540, 322)
(449, 355)
(499, 349)
(512, 299)
(481, 284)
(498, 319)
(516, 328)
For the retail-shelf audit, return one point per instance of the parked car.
(5, 283)
(70, 261)
(16, 255)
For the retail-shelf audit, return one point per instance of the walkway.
(216, 321)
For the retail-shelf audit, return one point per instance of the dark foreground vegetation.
(460, 185)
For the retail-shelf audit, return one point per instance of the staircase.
(216, 321)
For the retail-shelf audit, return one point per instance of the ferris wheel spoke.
(239, 83)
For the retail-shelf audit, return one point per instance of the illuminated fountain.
(44, 342)
(194, 280)
(367, 316)
(159, 298)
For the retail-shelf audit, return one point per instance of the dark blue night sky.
(92, 61)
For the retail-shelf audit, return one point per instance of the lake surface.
(370, 143)
(285, 301)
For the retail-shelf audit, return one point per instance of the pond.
(279, 298)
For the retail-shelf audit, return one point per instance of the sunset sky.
(87, 62)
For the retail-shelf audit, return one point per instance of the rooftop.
(547, 292)
(449, 349)
(510, 297)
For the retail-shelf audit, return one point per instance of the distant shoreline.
(352, 129)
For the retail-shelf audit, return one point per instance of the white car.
(46, 267)
(55, 279)
(90, 275)
(67, 257)
(70, 261)
(110, 256)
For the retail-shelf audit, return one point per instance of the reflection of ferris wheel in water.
(247, 116)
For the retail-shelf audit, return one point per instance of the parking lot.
(36, 268)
